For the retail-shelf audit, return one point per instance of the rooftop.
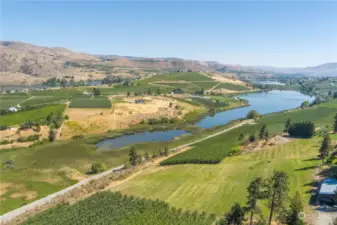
(328, 187)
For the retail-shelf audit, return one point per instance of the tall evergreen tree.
(291, 216)
(287, 125)
(335, 125)
(278, 189)
(262, 131)
(325, 148)
(234, 217)
(133, 156)
(255, 192)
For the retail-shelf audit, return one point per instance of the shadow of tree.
(305, 168)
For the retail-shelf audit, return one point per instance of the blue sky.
(248, 33)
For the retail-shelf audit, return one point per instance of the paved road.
(11, 215)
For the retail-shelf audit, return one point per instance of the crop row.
(115, 208)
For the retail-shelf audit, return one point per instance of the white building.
(12, 109)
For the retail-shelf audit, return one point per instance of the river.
(262, 102)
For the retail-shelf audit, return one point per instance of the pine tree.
(278, 189)
(287, 125)
(133, 156)
(325, 148)
(146, 156)
(255, 192)
(262, 131)
(335, 125)
(235, 216)
(166, 151)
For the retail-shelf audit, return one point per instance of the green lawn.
(33, 115)
(86, 102)
(214, 188)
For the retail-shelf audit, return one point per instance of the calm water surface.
(264, 103)
(115, 143)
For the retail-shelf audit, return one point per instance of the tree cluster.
(304, 129)
(274, 190)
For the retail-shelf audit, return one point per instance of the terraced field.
(214, 188)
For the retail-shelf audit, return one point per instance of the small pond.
(118, 142)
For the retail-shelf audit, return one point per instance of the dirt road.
(17, 212)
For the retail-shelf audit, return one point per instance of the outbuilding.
(327, 192)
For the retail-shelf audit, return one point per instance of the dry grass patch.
(27, 195)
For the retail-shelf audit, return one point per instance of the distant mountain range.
(22, 63)
(327, 69)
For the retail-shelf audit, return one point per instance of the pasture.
(32, 115)
(214, 188)
(86, 102)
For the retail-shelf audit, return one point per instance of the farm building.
(327, 191)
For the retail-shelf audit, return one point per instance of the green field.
(215, 149)
(11, 101)
(32, 115)
(191, 76)
(187, 87)
(232, 87)
(38, 100)
(205, 85)
(114, 208)
(36, 168)
(214, 188)
(95, 102)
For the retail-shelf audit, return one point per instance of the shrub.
(97, 167)
(29, 138)
(253, 114)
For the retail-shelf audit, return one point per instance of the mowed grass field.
(32, 115)
(95, 102)
(214, 188)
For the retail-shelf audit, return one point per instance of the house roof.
(328, 187)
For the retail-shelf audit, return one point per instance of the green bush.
(97, 167)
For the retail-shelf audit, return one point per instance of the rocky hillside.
(22, 63)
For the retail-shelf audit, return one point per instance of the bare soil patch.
(4, 187)
(28, 195)
(262, 144)
(122, 115)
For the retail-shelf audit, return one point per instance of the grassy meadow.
(214, 188)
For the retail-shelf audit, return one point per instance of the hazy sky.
(248, 33)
